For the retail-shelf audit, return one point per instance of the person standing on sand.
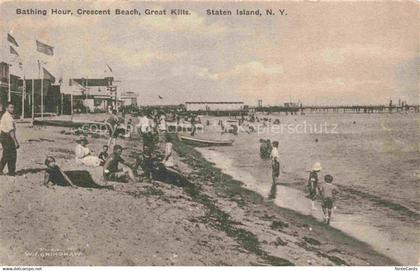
(8, 141)
(144, 124)
(162, 123)
(193, 127)
(275, 162)
(113, 122)
(313, 183)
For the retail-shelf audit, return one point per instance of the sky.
(320, 53)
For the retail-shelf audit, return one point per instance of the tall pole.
(33, 99)
(62, 103)
(87, 90)
(71, 104)
(116, 98)
(42, 93)
(23, 96)
(9, 94)
(116, 102)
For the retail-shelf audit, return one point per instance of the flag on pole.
(47, 75)
(44, 48)
(13, 51)
(109, 67)
(12, 40)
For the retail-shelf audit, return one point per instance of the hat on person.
(317, 166)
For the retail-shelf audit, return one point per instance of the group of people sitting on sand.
(114, 168)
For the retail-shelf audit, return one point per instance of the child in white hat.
(313, 182)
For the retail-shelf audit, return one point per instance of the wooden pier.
(354, 109)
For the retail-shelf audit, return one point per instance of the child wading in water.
(313, 183)
(328, 191)
(275, 163)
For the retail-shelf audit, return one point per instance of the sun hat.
(317, 166)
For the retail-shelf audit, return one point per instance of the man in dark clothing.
(8, 141)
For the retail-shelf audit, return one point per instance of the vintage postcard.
(209, 133)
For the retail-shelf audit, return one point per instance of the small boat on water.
(183, 127)
(205, 142)
(71, 123)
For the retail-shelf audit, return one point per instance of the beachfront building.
(128, 98)
(291, 105)
(216, 108)
(51, 94)
(72, 97)
(4, 84)
(22, 96)
(99, 93)
(15, 86)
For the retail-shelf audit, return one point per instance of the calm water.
(374, 159)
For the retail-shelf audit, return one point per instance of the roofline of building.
(214, 102)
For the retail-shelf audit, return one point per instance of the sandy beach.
(209, 133)
(212, 221)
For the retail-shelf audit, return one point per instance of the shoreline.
(286, 198)
(309, 221)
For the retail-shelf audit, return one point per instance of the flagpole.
(71, 105)
(23, 95)
(42, 92)
(62, 102)
(9, 96)
(33, 99)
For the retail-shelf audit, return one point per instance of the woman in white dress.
(83, 154)
(162, 123)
